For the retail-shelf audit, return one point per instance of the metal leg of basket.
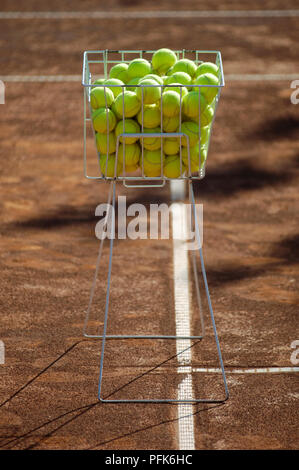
(192, 199)
(107, 292)
(194, 224)
(105, 336)
(93, 287)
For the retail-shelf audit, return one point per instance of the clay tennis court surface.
(48, 246)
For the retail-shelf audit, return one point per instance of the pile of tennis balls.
(117, 104)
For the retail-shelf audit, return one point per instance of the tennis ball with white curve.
(207, 67)
(150, 117)
(104, 120)
(138, 68)
(129, 154)
(208, 92)
(116, 90)
(178, 77)
(153, 161)
(100, 97)
(127, 104)
(171, 103)
(127, 126)
(162, 60)
(148, 94)
(184, 65)
(109, 167)
(151, 142)
(106, 143)
(173, 166)
(191, 130)
(120, 71)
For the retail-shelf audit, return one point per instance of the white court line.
(258, 370)
(182, 318)
(77, 78)
(177, 14)
(261, 77)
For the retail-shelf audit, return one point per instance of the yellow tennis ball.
(207, 67)
(173, 167)
(193, 151)
(127, 126)
(170, 103)
(153, 76)
(184, 65)
(151, 143)
(178, 87)
(206, 116)
(171, 145)
(139, 68)
(169, 71)
(109, 167)
(171, 124)
(153, 161)
(208, 92)
(104, 120)
(191, 108)
(116, 90)
(98, 81)
(191, 104)
(148, 94)
(120, 71)
(113, 108)
(131, 85)
(150, 117)
(162, 60)
(127, 104)
(106, 143)
(100, 97)
(196, 162)
(178, 77)
(131, 168)
(129, 154)
(191, 129)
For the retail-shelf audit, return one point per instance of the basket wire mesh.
(96, 64)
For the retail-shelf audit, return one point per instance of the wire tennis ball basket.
(147, 130)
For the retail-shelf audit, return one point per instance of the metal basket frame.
(103, 59)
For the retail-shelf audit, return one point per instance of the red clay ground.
(250, 197)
